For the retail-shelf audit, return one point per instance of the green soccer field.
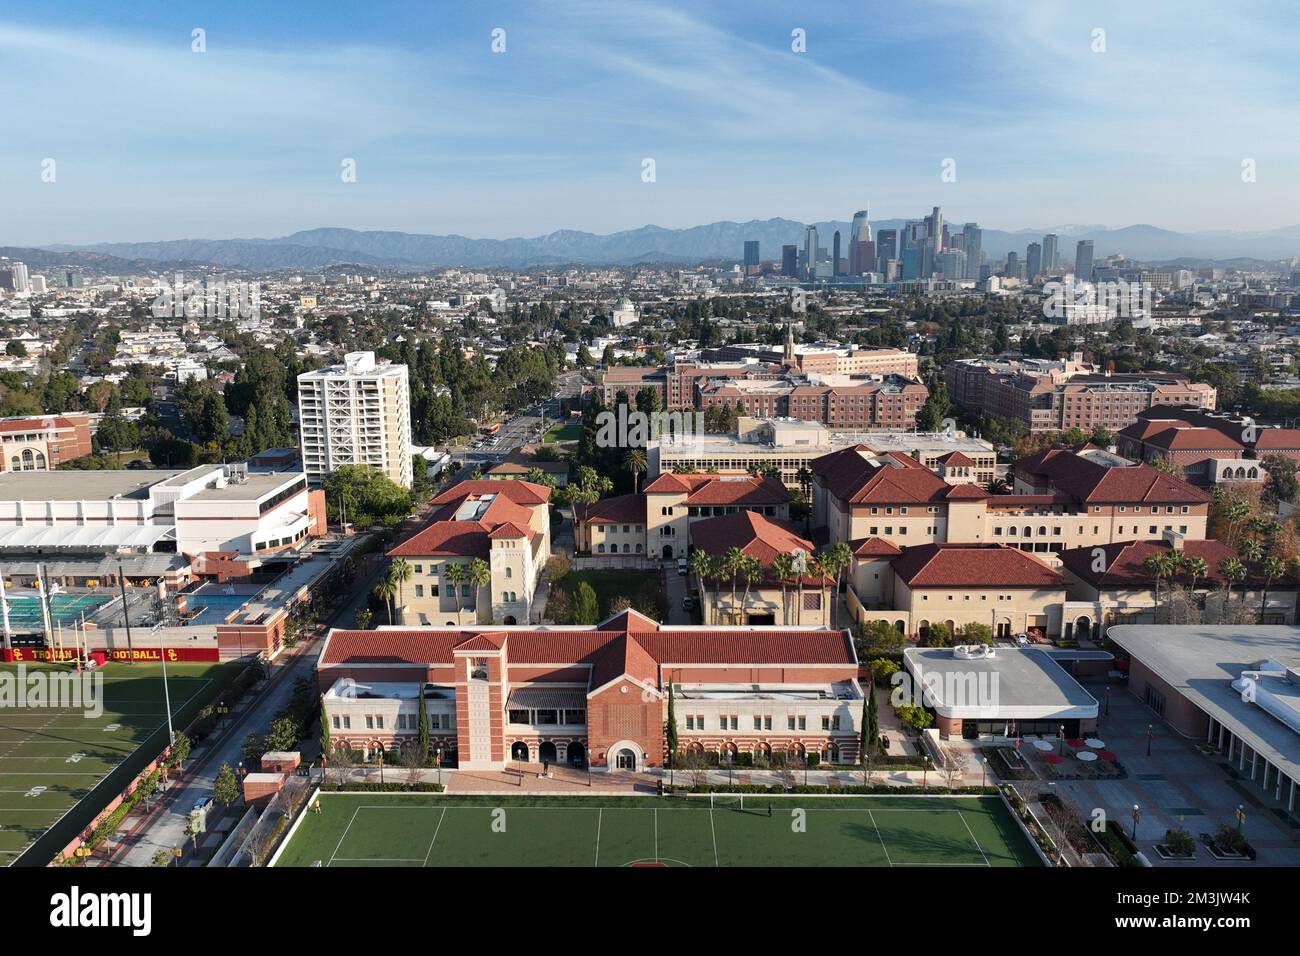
(375, 829)
(59, 765)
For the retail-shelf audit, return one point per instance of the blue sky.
(153, 141)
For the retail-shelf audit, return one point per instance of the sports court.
(375, 829)
(52, 758)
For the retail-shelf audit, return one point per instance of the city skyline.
(247, 138)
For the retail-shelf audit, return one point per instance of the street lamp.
(1107, 700)
(1241, 818)
(1062, 748)
(925, 772)
(984, 770)
(1137, 815)
(1151, 731)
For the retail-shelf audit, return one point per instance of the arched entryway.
(727, 753)
(546, 753)
(625, 755)
(624, 759)
(519, 751)
(509, 619)
(1083, 629)
(577, 755)
(763, 753)
(668, 551)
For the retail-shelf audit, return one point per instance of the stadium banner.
(145, 654)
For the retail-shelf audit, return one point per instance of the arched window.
(509, 572)
(15, 464)
(40, 462)
(600, 549)
(28, 462)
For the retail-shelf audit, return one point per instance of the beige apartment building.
(956, 585)
(356, 413)
(1070, 501)
(503, 525)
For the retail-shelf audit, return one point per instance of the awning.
(547, 698)
(84, 537)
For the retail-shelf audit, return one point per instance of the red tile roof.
(753, 534)
(973, 566)
(1277, 438)
(956, 458)
(1091, 483)
(875, 548)
(1122, 563)
(721, 489)
(464, 539)
(884, 479)
(628, 643)
(623, 509)
(510, 530)
(520, 492)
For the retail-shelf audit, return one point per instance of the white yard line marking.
(976, 842)
(880, 838)
(714, 833)
(436, 829)
(656, 813)
(344, 836)
(600, 816)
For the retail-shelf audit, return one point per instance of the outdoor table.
(1095, 744)
(1086, 756)
(1044, 745)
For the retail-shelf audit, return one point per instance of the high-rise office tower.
(858, 236)
(835, 255)
(790, 261)
(951, 263)
(1033, 261)
(974, 239)
(751, 254)
(810, 252)
(1050, 256)
(887, 244)
(935, 229)
(356, 413)
(1083, 260)
(1013, 266)
(22, 283)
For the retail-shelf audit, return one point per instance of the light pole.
(925, 772)
(1062, 738)
(1137, 815)
(167, 697)
(1107, 700)
(1241, 818)
(126, 617)
(1151, 730)
(984, 771)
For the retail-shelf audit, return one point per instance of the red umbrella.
(1106, 755)
(1076, 742)
(1053, 758)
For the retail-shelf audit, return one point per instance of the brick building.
(43, 442)
(569, 695)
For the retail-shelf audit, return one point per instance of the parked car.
(688, 603)
(681, 565)
(202, 804)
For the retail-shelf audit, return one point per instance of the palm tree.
(801, 562)
(480, 576)
(1195, 568)
(634, 461)
(731, 564)
(999, 486)
(1232, 571)
(1250, 550)
(1273, 568)
(700, 564)
(400, 571)
(783, 570)
(1236, 511)
(822, 565)
(841, 559)
(1156, 565)
(751, 569)
(386, 590)
(453, 573)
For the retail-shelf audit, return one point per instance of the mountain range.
(718, 241)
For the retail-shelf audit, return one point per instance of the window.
(419, 590)
(336, 722)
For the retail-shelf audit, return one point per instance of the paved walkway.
(1177, 786)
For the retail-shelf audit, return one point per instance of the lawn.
(60, 765)
(569, 431)
(609, 584)
(376, 829)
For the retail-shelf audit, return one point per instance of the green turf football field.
(51, 759)
(376, 829)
